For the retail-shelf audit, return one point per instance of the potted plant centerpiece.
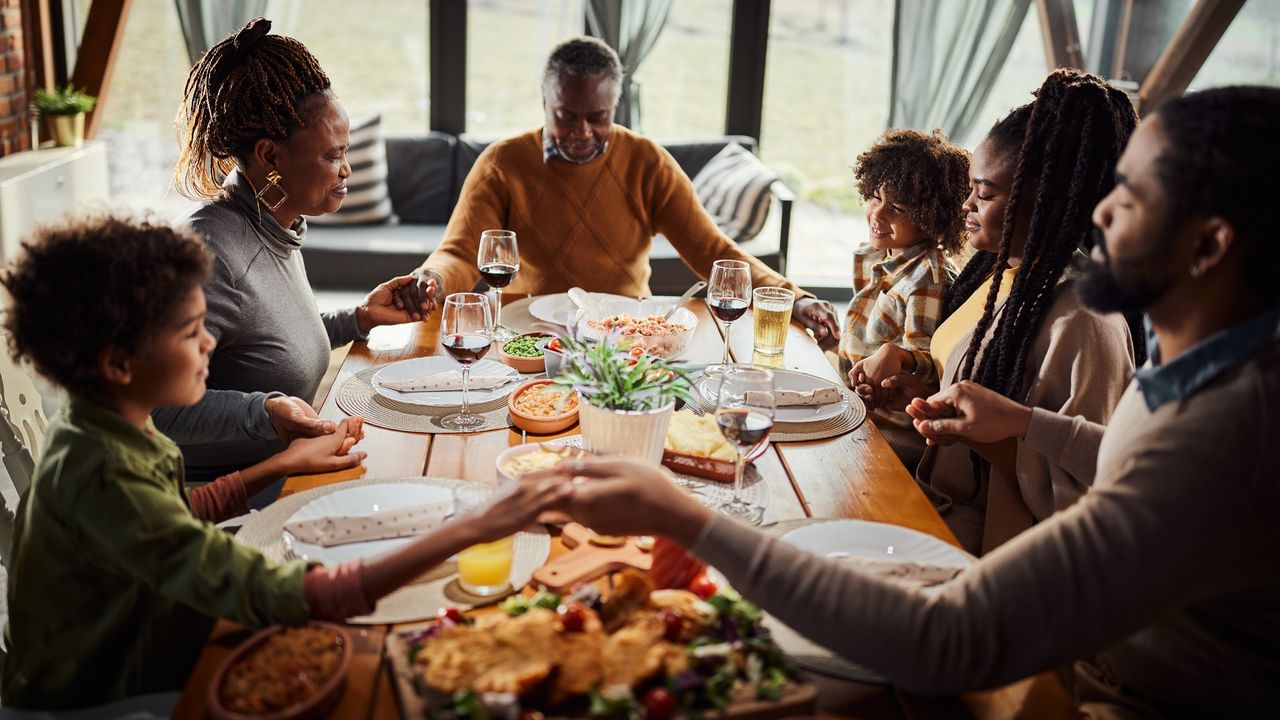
(627, 396)
(65, 107)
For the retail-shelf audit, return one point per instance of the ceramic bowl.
(511, 453)
(539, 424)
(523, 364)
(315, 705)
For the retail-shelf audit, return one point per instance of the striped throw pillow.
(734, 187)
(367, 200)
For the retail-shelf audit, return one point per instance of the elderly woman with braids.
(1011, 321)
(264, 142)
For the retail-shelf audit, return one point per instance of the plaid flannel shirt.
(895, 300)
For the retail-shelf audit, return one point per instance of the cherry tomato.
(573, 617)
(672, 624)
(659, 704)
(635, 351)
(703, 586)
(451, 614)
(555, 345)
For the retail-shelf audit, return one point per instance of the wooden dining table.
(855, 475)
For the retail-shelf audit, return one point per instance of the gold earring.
(273, 181)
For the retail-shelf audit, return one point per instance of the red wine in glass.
(727, 309)
(498, 275)
(466, 348)
(744, 427)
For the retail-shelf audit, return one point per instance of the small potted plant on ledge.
(65, 107)
(627, 396)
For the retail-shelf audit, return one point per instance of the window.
(684, 81)
(507, 46)
(1249, 52)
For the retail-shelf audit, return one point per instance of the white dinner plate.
(709, 387)
(422, 367)
(558, 309)
(844, 538)
(364, 500)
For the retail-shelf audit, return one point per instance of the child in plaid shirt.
(914, 185)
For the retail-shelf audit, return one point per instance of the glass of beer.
(484, 569)
(771, 310)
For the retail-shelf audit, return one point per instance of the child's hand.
(518, 509)
(326, 453)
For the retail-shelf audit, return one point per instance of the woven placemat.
(419, 601)
(357, 397)
(849, 420)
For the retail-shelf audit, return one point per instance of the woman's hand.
(621, 497)
(820, 318)
(293, 417)
(327, 453)
(419, 297)
(970, 412)
(885, 379)
(382, 306)
(518, 509)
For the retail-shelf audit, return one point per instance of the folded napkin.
(907, 573)
(448, 380)
(784, 398)
(399, 522)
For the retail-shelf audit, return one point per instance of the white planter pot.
(638, 435)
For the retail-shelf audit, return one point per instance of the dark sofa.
(425, 175)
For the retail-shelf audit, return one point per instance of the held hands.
(419, 296)
(620, 497)
(293, 418)
(969, 412)
(383, 307)
(818, 316)
(326, 453)
(534, 494)
(885, 379)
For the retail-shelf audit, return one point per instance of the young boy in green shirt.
(117, 571)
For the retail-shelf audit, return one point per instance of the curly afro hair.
(95, 282)
(927, 173)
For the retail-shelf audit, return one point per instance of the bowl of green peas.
(523, 354)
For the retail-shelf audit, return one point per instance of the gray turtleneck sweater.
(271, 336)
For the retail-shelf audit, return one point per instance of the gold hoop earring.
(273, 181)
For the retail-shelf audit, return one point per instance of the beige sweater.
(588, 225)
(1078, 365)
(1168, 566)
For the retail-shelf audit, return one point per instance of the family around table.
(1122, 516)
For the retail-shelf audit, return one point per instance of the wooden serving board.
(588, 560)
(799, 699)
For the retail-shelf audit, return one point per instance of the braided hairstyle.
(926, 173)
(1067, 143)
(250, 86)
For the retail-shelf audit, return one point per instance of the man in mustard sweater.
(585, 197)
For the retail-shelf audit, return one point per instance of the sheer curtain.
(631, 28)
(205, 22)
(946, 57)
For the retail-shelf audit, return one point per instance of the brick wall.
(15, 122)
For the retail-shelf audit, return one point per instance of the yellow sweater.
(587, 225)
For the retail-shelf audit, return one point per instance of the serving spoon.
(693, 290)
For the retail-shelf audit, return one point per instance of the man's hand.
(970, 412)
(819, 317)
(326, 453)
(513, 512)
(419, 296)
(621, 497)
(381, 307)
(294, 418)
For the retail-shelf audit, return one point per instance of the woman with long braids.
(264, 141)
(1011, 321)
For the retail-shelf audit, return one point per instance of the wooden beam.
(748, 49)
(1190, 47)
(38, 30)
(103, 31)
(1061, 34)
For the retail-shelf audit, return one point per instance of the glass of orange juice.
(484, 569)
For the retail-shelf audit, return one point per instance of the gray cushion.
(420, 177)
(691, 155)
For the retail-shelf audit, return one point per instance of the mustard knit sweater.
(588, 225)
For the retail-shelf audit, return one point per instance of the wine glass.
(499, 260)
(744, 412)
(464, 333)
(728, 297)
